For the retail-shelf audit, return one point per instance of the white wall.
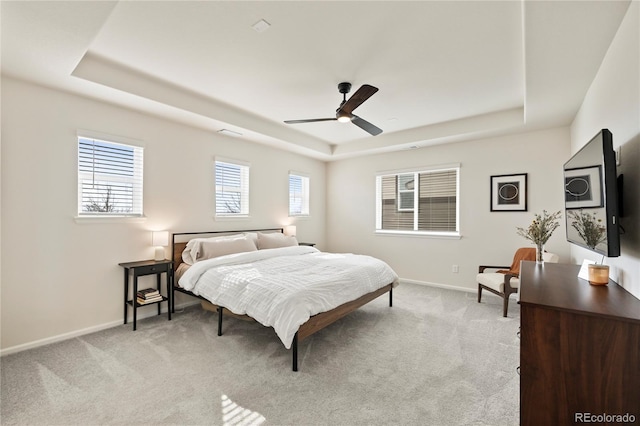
(60, 277)
(613, 102)
(487, 237)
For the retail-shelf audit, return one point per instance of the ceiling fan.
(344, 113)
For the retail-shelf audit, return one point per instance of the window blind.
(109, 178)
(232, 188)
(298, 195)
(420, 201)
(437, 209)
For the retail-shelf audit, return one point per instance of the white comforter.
(282, 288)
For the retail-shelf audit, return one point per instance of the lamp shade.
(160, 238)
(290, 230)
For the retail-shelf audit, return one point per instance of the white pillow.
(190, 252)
(209, 249)
(275, 240)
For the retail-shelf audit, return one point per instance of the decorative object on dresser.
(579, 348)
(147, 296)
(276, 281)
(598, 274)
(540, 231)
(505, 281)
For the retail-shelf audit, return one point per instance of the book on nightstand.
(148, 295)
(146, 301)
(142, 301)
(148, 292)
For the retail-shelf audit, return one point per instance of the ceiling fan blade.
(362, 94)
(366, 126)
(309, 120)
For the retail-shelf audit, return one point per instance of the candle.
(598, 274)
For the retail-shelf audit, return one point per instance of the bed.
(262, 275)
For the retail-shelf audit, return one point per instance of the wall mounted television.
(591, 188)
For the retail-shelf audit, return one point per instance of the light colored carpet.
(437, 357)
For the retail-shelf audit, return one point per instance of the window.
(232, 188)
(406, 192)
(421, 202)
(298, 194)
(109, 178)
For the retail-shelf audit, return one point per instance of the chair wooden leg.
(479, 292)
(505, 306)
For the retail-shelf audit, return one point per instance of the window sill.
(231, 217)
(109, 219)
(419, 234)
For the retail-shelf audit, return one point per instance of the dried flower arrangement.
(540, 231)
(541, 228)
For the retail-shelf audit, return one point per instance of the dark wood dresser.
(579, 349)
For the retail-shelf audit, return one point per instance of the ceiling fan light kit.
(344, 113)
(343, 117)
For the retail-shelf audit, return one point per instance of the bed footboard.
(322, 320)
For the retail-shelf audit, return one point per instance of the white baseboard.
(84, 331)
(89, 330)
(445, 286)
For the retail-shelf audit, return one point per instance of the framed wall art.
(509, 193)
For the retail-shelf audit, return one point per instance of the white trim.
(231, 161)
(435, 168)
(423, 234)
(303, 174)
(378, 203)
(439, 285)
(295, 218)
(85, 331)
(231, 217)
(89, 330)
(109, 219)
(106, 137)
(59, 338)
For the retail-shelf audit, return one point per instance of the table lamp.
(159, 239)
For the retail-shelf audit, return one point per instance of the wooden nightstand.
(141, 268)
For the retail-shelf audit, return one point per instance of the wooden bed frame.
(313, 325)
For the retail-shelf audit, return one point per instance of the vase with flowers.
(540, 231)
(592, 232)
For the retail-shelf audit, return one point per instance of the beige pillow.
(275, 240)
(252, 236)
(209, 249)
(190, 252)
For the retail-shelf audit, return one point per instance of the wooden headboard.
(179, 240)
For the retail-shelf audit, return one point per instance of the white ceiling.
(446, 70)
